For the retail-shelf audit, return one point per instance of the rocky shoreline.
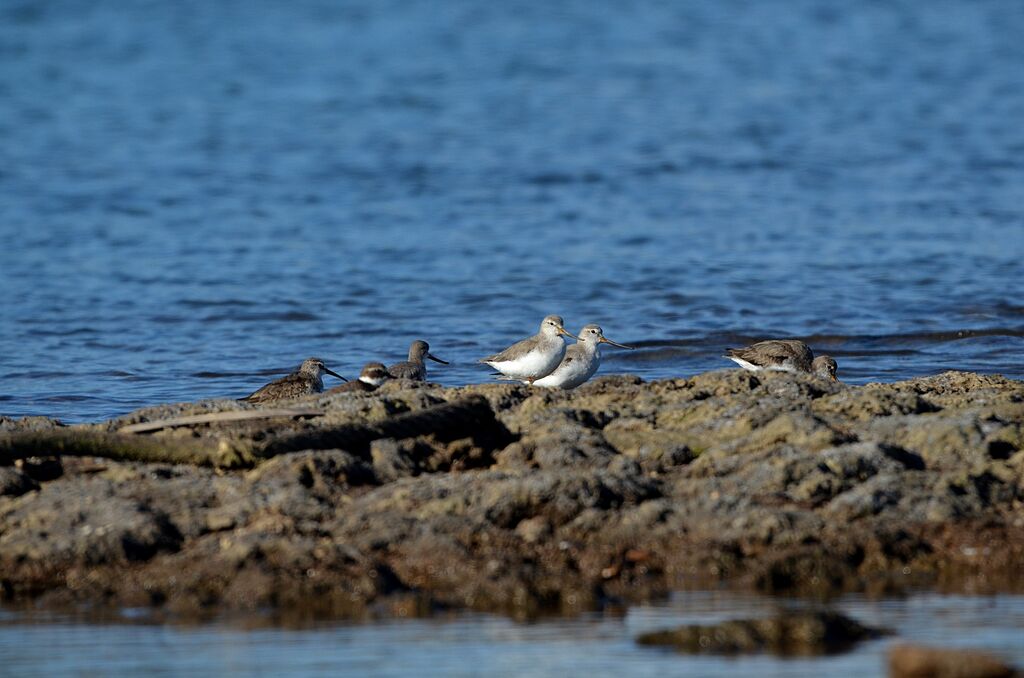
(554, 503)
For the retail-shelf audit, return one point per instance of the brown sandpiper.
(414, 368)
(785, 355)
(306, 380)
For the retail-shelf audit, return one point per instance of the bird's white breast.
(570, 374)
(536, 363)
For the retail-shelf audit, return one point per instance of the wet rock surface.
(915, 661)
(787, 635)
(619, 491)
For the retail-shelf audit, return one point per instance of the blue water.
(195, 196)
(477, 645)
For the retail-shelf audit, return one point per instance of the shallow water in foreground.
(472, 645)
(195, 196)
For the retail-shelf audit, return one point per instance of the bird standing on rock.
(534, 357)
(784, 355)
(372, 376)
(414, 368)
(581, 360)
(306, 380)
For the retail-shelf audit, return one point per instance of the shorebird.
(581, 360)
(414, 368)
(534, 357)
(372, 376)
(303, 381)
(785, 355)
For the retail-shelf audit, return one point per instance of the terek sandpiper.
(306, 380)
(372, 376)
(536, 356)
(581, 360)
(414, 368)
(786, 355)
(825, 366)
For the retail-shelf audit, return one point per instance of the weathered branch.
(216, 418)
(74, 442)
(448, 421)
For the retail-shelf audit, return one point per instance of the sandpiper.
(372, 376)
(825, 366)
(306, 380)
(414, 368)
(786, 355)
(581, 360)
(536, 356)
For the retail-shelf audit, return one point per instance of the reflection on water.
(471, 645)
(198, 195)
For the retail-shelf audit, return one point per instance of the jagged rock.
(619, 490)
(797, 633)
(15, 482)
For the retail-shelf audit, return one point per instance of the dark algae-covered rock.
(521, 500)
(792, 634)
(15, 482)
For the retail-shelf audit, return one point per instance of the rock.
(620, 490)
(389, 462)
(873, 401)
(14, 482)
(7, 424)
(656, 450)
(83, 527)
(41, 469)
(534, 529)
(324, 471)
(794, 634)
(915, 661)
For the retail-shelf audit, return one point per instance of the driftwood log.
(448, 421)
(217, 418)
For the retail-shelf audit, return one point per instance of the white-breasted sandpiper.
(534, 357)
(581, 360)
(372, 376)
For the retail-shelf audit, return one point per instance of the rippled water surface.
(475, 645)
(195, 196)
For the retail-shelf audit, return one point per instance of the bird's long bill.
(562, 330)
(334, 374)
(436, 359)
(834, 377)
(605, 340)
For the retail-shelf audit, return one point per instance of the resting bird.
(785, 355)
(414, 368)
(306, 380)
(372, 376)
(534, 357)
(581, 360)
